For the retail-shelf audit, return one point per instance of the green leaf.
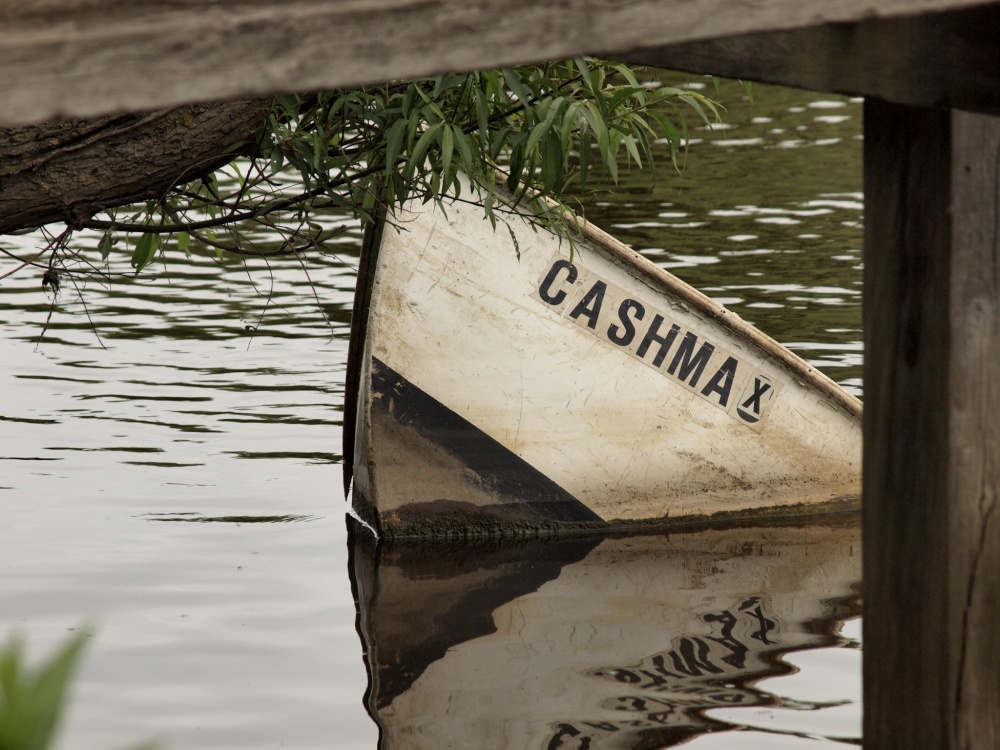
(446, 82)
(318, 151)
(33, 700)
(585, 156)
(527, 182)
(10, 667)
(432, 106)
(289, 103)
(277, 160)
(408, 98)
(625, 72)
(552, 164)
(604, 145)
(394, 144)
(104, 246)
(630, 147)
(183, 243)
(570, 124)
(581, 65)
(482, 115)
(610, 160)
(666, 127)
(416, 163)
(516, 166)
(465, 150)
(447, 149)
(515, 84)
(433, 187)
(400, 188)
(695, 103)
(488, 208)
(542, 128)
(644, 143)
(597, 125)
(499, 139)
(145, 251)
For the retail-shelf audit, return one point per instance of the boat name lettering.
(657, 339)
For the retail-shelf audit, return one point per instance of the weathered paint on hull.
(503, 389)
(590, 641)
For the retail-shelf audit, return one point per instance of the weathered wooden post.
(931, 428)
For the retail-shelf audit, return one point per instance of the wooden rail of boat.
(667, 281)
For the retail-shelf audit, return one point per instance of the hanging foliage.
(524, 136)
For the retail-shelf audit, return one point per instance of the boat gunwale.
(717, 312)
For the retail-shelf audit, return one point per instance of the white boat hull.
(502, 388)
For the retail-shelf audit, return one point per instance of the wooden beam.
(68, 170)
(80, 58)
(931, 428)
(942, 59)
(974, 431)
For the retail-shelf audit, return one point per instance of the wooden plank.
(932, 441)
(974, 434)
(82, 58)
(948, 59)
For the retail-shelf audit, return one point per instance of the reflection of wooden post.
(932, 429)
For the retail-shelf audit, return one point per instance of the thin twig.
(24, 263)
(267, 300)
(319, 304)
(86, 311)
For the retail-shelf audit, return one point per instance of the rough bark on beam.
(66, 170)
(931, 431)
(82, 58)
(949, 59)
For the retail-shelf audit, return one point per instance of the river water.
(170, 474)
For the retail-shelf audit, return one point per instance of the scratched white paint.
(456, 312)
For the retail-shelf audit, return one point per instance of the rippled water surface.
(170, 464)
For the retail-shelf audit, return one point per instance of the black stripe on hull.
(494, 481)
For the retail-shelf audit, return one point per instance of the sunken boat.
(518, 382)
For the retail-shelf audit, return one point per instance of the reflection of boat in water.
(497, 388)
(591, 642)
